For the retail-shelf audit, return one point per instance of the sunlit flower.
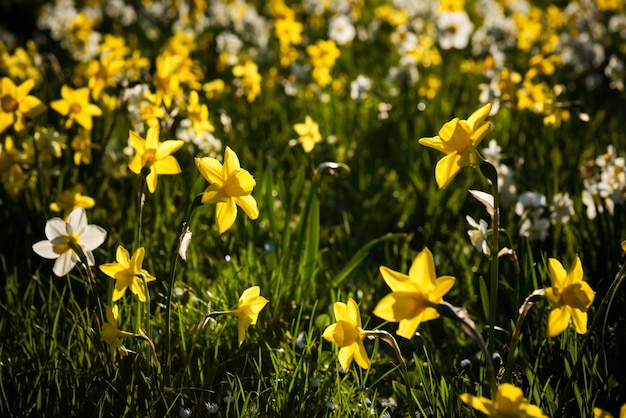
(128, 273)
(75, 105)
(16, 104)
(570, 296)
(454, 29)
(250, 304)
(230, 186)
(12, 175)
(154, 155)
(81, 144)
(248, 79)
(478, 235)
(341, 29)
(562, 209)
(111, 335)
(69, 200)
(348, 334)
(509, 402)
(414, 297)
(309, 133)
(104, 72)
(458, 139)
(601, 413)
(69, 241)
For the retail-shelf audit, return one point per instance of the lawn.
(307, 208)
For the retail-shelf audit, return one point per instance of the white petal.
(64, 264)
(77, 220)
(45, 249)
(92, 237)
(55, 227)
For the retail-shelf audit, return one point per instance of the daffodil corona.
(348, 334)
(230, 186)
(570, 296)
(414, 298)
(458, 139)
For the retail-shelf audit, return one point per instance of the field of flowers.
(313, 208)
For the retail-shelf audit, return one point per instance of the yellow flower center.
(8, 103)
(148, 157)
(69, 242)
(75, 108)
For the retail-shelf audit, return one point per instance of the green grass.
(328, 220)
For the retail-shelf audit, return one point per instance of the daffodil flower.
(601, 413)
(570, 296)
(458, 139)
(69, 200)
(509, 402)
(154, 155)
(348, 334)
(70, 241)
(309, 134)
(128, 273)
(76, 106)
(111, 335)
(16, 104)
(247, 312)
(414, 298)
(231, 186)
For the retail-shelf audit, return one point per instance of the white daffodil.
(478, 235)
(70, 241)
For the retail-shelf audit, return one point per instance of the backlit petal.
(231, 161)
(341, 312)
(444, 284)
(168, 165)
(55, 227)
(242, 325)
(168, 147)
(477, 118)
(558, 321)
(433, 142)
(151, 181)
(396, 280)
(77, 220)
(64, 264)
(346, 354)
(360, 356)
(248, 204)
(408, 327)
(225, 215)
(579, 318)
(45, 249)
(557, 273)
(422, 270)
(397, 306)
(480, 404)
(111, 269)
(447, 168)
(122, 256)
(92, 237)
(213, 194)
(576, 272)
(211, 169)
(455, 136)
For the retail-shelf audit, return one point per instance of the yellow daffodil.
(231, 186)
(414, 297)
(247, 312)
(128, 273)
(70, 241)
(69, 200)
(104, 72)
(154, 155)
(16, 104)
(348, 334)
(75, 105)
(198, 115)
(12, 175)
(249, 79)
(458, 139)
(510, 402)
(309, 134)
(570, 296)
(81, 144)
(601, 413)
(111, 335)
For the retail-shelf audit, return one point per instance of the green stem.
(197, 201)
(603, 305)
(141, 197)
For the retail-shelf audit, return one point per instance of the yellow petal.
(422, 270)
(397, 306)
(353, 312)
(122, 256)
(360, 356)
(137, 259)
(139, 289)
(481, 404)
(444, 284)
(396, 280)
(455, 136)
(152, 138)
(225, 215)
(213, 194)
(329, 333)
(341, 312)
(151, 181)
(433, 142)
(447, 168)
(249, 293)
(211, 170)
(137, 142)
(61, 106)
(408, 327)
(135, 164)
(168, 165)
(557, 273)
(231, 162)
(558, 321)
(579, 319)
(31, 106)
(576, 272)
(168, 147)
(477, 118)
(346, 354)
(111, 269)
(249, 206)
(242, 325)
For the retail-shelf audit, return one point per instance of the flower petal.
(360, 356)
(397, 306)
(396, 280)
(231, 162)
(92, 237)
(77, 220)
(477, 118)
(558, 321)
(447, 168)
(225, 215)
(65, 263)
(45, 249)
(443, 286)
(211, 169)
(168, 147)
(346, 354)
(243, 323)
(479, 403)
(111, 269)
(248, 204)
(168, 166)
(576, 272)
(55, 227)
(579, 318)
(422, 270)
(557, 273)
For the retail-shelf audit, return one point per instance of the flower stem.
(197, 201)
